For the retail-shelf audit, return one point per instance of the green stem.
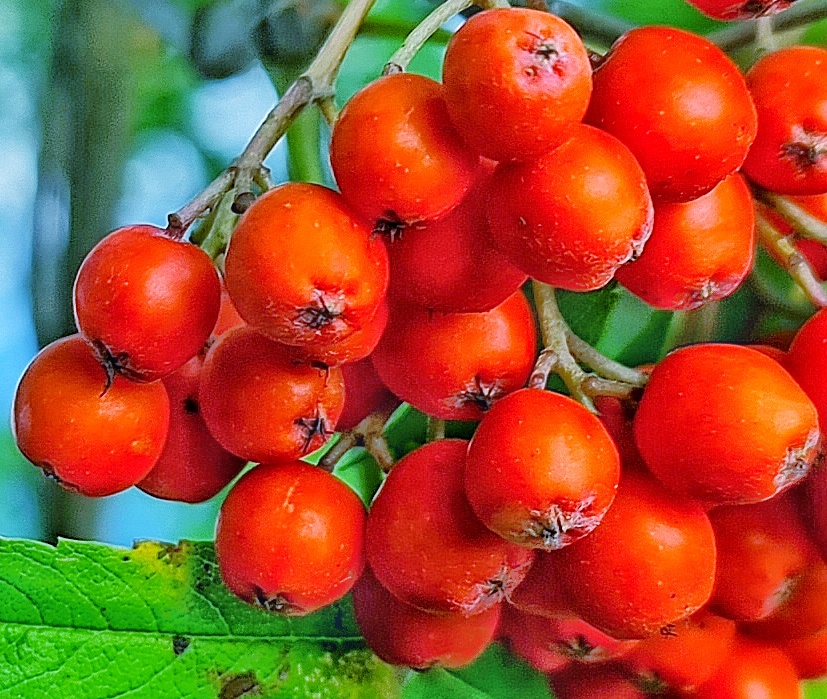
(399, 61)
(742, 34)
(592, 25)
(304, 148)
(783, 250)
(220, 226)
(314, 84)
(805, 224)
(436, 429)
(553, 330)
(605, 367)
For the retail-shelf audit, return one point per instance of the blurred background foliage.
(119, 111)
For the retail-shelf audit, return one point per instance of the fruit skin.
(413, 167)
(336, 273)
(550, 644)
(515, 99)
(261, 404)
(684, 655)
(763, 550)
(789, 87)
(750, 671)
(193, 467)
(571, 217)
(450, 264)
(809, 655)
(699, 251)
(806, 358)
(541, 469)
(425, 545)
(146, 302)
(290, 538)
(651, 562)
(354, 348)
(680, 105)
(610, 681)
(364, 394)
(725, 424)
(729, 11)
(404, 635)
(93, 437)
(455, 366)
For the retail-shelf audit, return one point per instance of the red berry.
(607, 682)
(302, 269)
(193, 467)
(364, 394)
(94, 434)
(515, 80)
(451, 264)
(700, 251)
(806, 359)
(455, 366)
(729, 10)
(262, 404)
(573, 216)
(541, 469)
(145, 302)
(404, 635)
(680, 105)
(726, 424)
(290, 538)
(789, 87)
(425, 545)
(396, 156)
(650, 563)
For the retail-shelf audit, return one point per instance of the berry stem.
(315, 84)
(592, 25)
(368, 434)
(742, 34)
(604, 366)
(554, 331)
(783, 249)
(436, 429)
(805, 224)
(398, 62)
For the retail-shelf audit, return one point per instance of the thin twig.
(544, 367)
(604, 366)
(553, 329)
(742, 34)
(805, 224)
(399, 61)
(315, 84)
(783, 250)
(436, 429)
(369, 434)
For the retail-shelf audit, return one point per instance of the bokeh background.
(119, 111)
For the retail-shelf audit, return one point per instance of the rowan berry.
(290, 538)
(426, 546)
(571, 217)
(404, 635)
(789, 87)
(728, 10)
(302, 269)
(413, 167)
(680, 105)
(650, 563)
(262, 404)
(145, 302)
(456, 366)
(93, 433)
(541, 469)
(726, 424)
(516, 98)
(700, 251)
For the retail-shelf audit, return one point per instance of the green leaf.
(588, 313)
(360, 471)
(815, 690)
(86, 620)
(402, 14)
(495, 675)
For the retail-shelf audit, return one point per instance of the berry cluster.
(661, 543)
